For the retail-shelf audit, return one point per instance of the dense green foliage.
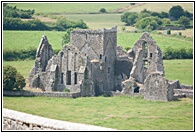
(184, 21)
(18, 24)
(12, 79)
(148, 23)
(150, 20)
(123, 112)
(62, 24)
(181, 53)
(13, 12)
(177, 11)
(129, 18)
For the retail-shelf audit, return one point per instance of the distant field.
(95, 7)
(174, 69)
(52, 7)
(159, 7)
(129, 39)
(27, 39)
(96, 21)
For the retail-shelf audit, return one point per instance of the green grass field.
(26, 39)
(52, 7)
(159, 7)
(30, 39)
(123, 113)
(174, 69)
(95, 7)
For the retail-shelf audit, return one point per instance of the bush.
(11, 55)
(9, 77)
(181, 53)
(20, 82)
(12, 79)
(102, 10)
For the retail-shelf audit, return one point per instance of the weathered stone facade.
(93, 65)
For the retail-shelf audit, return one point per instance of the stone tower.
(100, 46)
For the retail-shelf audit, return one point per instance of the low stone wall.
(14, 120)
(179, 93)
(47, 94)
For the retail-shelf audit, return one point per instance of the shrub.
(20, 82)
(9, 77)
(181, 53)
(102, 10)
(12, 79)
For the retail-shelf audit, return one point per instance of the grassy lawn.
(174, 69)
(123, 113)
(179, 69)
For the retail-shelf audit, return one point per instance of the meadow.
(164, 6)
(77, 7)
(52, 7)
(17, 40)
(123, 112)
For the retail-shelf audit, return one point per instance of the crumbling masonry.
(93, 64)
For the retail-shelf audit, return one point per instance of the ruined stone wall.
(156, 87)
(89, 42)
(43, 55)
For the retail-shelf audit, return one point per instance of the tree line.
(150, 20)
(12, 21)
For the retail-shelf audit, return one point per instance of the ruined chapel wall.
(89, 42)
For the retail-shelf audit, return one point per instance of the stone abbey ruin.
(94, 65)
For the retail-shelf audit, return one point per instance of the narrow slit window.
(150, 55)
(68, 78)
(61, 78)
(100, 57)
(75, 78)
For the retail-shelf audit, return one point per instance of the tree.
(12, 79)
(166, 21)
(129, 18)
(148, 23)
(102, 10)
(184, 21)
(20, 82)
(176, 12)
